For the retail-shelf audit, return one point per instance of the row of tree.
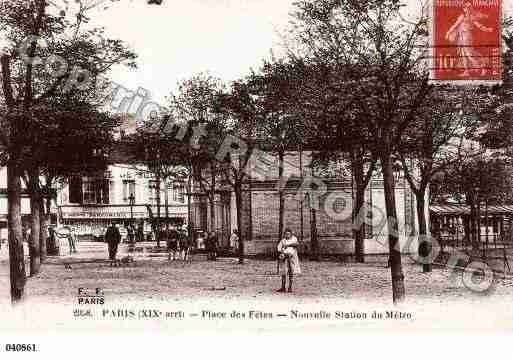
(353, 85)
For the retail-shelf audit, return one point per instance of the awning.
(460, 209)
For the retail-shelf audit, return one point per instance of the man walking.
(183, 244)
(112, 237)
(212, 244)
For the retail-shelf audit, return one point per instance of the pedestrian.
(208, 246)
(172, 243)
(184, 244)
(212, 245)
(234, 241)
(140, 233)
(72, 240)
(112, 237)
(52, 245)
(64, 232)
(200, 241)
(28, 231)
(130, 233)
(288, 259)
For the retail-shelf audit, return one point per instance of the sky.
(181, 38)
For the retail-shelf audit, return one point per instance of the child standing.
(288, 259)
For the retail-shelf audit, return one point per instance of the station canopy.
(461, 209)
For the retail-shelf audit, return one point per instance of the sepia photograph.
(256, 166)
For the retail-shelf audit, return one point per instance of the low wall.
(333, 246)
(326, 246)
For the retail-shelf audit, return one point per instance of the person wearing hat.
(112, 237)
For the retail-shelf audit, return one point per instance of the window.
(75, 190)
(89, 191)
(178, 193)
(105, 189)
(95, 191)
(152, 191)
(128, 190)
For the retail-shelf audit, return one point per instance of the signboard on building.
(466, 41)
(123, 212)
(117, 212)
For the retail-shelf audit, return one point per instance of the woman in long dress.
(289, 260)
(460, 34)
(234, 241)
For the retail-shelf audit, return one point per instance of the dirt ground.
(152, 276)
(153, 279)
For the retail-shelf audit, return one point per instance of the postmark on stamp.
(466, 41)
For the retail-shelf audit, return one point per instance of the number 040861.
(20, 348)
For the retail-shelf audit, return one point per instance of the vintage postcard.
(271, 166)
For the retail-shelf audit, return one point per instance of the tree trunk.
(212, 198)
(189, 205)
(281, 200)
(211, 204)
(158, 231)
(301, 204)
(478, 226)
(473, 226)
(35, 228)
(398, 291)
(359, 229)
(16, 256)
(44, 223)
(425, 246)
(166, 204)
(314, 240)
(238, 201)
(361, 180)
(466, 225)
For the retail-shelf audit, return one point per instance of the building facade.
(329, 210)
(122, 194)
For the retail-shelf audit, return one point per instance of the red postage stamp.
(466, 40)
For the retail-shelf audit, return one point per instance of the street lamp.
(131, 201)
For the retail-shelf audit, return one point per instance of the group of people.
(178, 243)
(65, 232)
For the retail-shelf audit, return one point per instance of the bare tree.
(390, 81)
(432, 144)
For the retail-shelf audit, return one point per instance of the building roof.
(460, 209)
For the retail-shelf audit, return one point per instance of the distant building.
(91, 203)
